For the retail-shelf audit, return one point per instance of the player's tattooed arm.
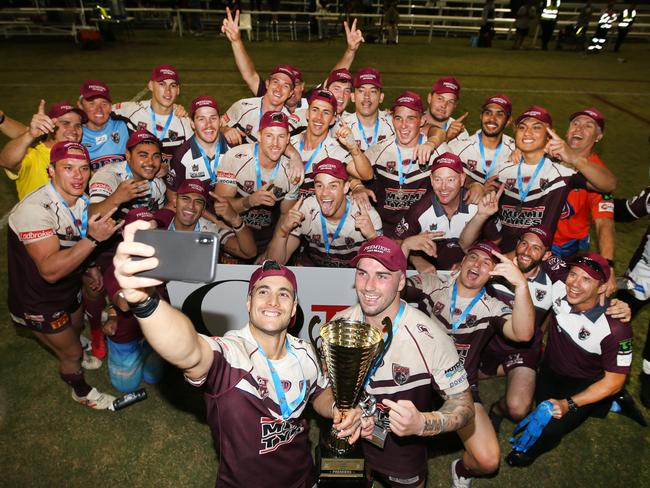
(455, 413)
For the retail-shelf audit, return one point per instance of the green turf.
(47, 440)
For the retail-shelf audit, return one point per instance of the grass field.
(47, 440)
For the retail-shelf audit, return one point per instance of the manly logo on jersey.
(115, 137)
(263, 387)
(438, 307)
(543, 183)
(470, 320)
(471, 164)
(286, 385)
(584, 334)
(400, 374)
(173, 135)
(349, 242)
(277, 432)
(510, 183)
(540, 294)
(390, 166)
(248, 129)
(143, 126)
(402, 227)
(424, 330)
(249, 186)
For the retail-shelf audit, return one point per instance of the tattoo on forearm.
(455, 413)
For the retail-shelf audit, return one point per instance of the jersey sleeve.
(234, 113)
(226, 173)
(102, 185)
(31, 225)
(617, 348)
(636, 207)
(420, 286)
(447, 370)
(176, 174)
(601, 206)
(577, 180)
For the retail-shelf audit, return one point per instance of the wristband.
(572, 405)
(144, 309)
(92, 239)
(240, 227)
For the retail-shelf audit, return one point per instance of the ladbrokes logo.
(277, 432)
(35, 234)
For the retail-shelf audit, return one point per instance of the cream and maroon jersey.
(238, 170)
(420, 364)
(433, 296)
(106, 180)
(385, 129)
(543, 204)
(638, 271)
(477, 168)
(331, 148)
(141, 117)
(257, 446)
(394, 200)
(343, 248)
(246, 115)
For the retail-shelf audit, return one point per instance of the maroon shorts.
(48, 323)
(401, 481)
(492, 358)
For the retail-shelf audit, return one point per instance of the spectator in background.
(390, 22)
(524, 16)
(487, 25)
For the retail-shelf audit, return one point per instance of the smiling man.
(257, 380)
(442, 101)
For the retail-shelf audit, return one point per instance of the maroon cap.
(592, 112)
(61, 150)
(141, 136)
(297, 74)
(488, 247)
(542, 232)
(165, 72)
(342, 74)
(594, 265)
(385, 250)
(274, 119)
(501, 100)
(140, 213)
(91, 89)
(331, 166)
(448, 160)
(59, 109)
(447, 84)
(193, 186)
(367, 76)
(410, 100)
(271, 268)
(325, 96)
(287, 70)
(203, 101)
(536, 112)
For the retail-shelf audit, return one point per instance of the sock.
(77, 382)
(646, 366)
(94, 308)
(463, 471)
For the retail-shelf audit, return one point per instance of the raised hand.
(425, 242)
(424, 151)
(363, 223)
(404, 417)
(296, 166)
(233, 136)
(179, 110)
(230, 26)
(292, 218)
(489, 204)
(456, 127)
(348, 426)
(223, 209)
(557, 148)
(353, 35)
(101, 228)
(362, 196)
(345, 136)
(131, 189)
(263, 196)
(474, 193)
(508, 270)
(41, 124)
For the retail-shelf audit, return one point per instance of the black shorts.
(401, 481)
(48, 323)
(492, 358)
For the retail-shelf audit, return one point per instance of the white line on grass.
(5, 218)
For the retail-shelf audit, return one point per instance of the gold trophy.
(349, 350)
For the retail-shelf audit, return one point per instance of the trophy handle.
(314, 339)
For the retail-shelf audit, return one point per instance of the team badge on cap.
(594, 265)
(536, 112)
(164, 72)
(332, 167)
(384, 250)
(141, 136)
(203, 101)
(91, 89)
(287, 70)
(448, 160)
(501, 100)
(410, 100)
(447, 84)
(592, 113)
(342, 75)
(543, 234)
(325, 96)
(61, 150)
(488, 247)
(274, 119)
(193, 186)
(59, 109)
(367, 76)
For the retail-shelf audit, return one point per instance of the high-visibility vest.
(606, 20)
(550, 10)
(628, 18)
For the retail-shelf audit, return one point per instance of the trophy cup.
(349, 350)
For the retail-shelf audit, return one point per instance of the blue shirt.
(107, 145)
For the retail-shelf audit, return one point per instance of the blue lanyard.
(313, 154)
(155, 125)
(129, 174)
(400, 170)
(206, 160)
(494, 159)
(83, 230)
(258, 169)
(323, 223)
(378, 361)
(523, 193)
(286, 408)
(172, 225)
(363, 132)
(444, 127)
(456, 323)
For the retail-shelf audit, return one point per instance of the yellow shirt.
(33, 170)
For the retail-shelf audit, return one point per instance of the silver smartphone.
(183, 256)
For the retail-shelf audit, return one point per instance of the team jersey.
(575, 220)
(420, 363)
(475, 165)
(428, 215)
(107, 145)
(366, 137)
(245, 115)
(238, 170)
(188, 163)
(426, 124)
(33, 170)
(299, 121)
(261, 91)
(142, 117)
(487, 316)
(343, 248)
(104, 183)
(638, 271)
(586, 344)
(257, 446)
(395, 199)
(331, 148)
(544, 202)
(40, 216)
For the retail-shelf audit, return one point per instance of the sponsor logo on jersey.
(453, 370)
(277, 432)
(35, 234)
(100, 139)
(463, 351)
(606, 206)
(34, 318)
(625, 346)
(403, 199)
(567, 211)
(424, 330)
(400, 374)
(528, 217)
(59, 322)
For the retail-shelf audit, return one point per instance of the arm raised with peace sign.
(359, 166)
(363, 223)
(456, 127)
(487, 206)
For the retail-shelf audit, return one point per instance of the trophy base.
(340, 471)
